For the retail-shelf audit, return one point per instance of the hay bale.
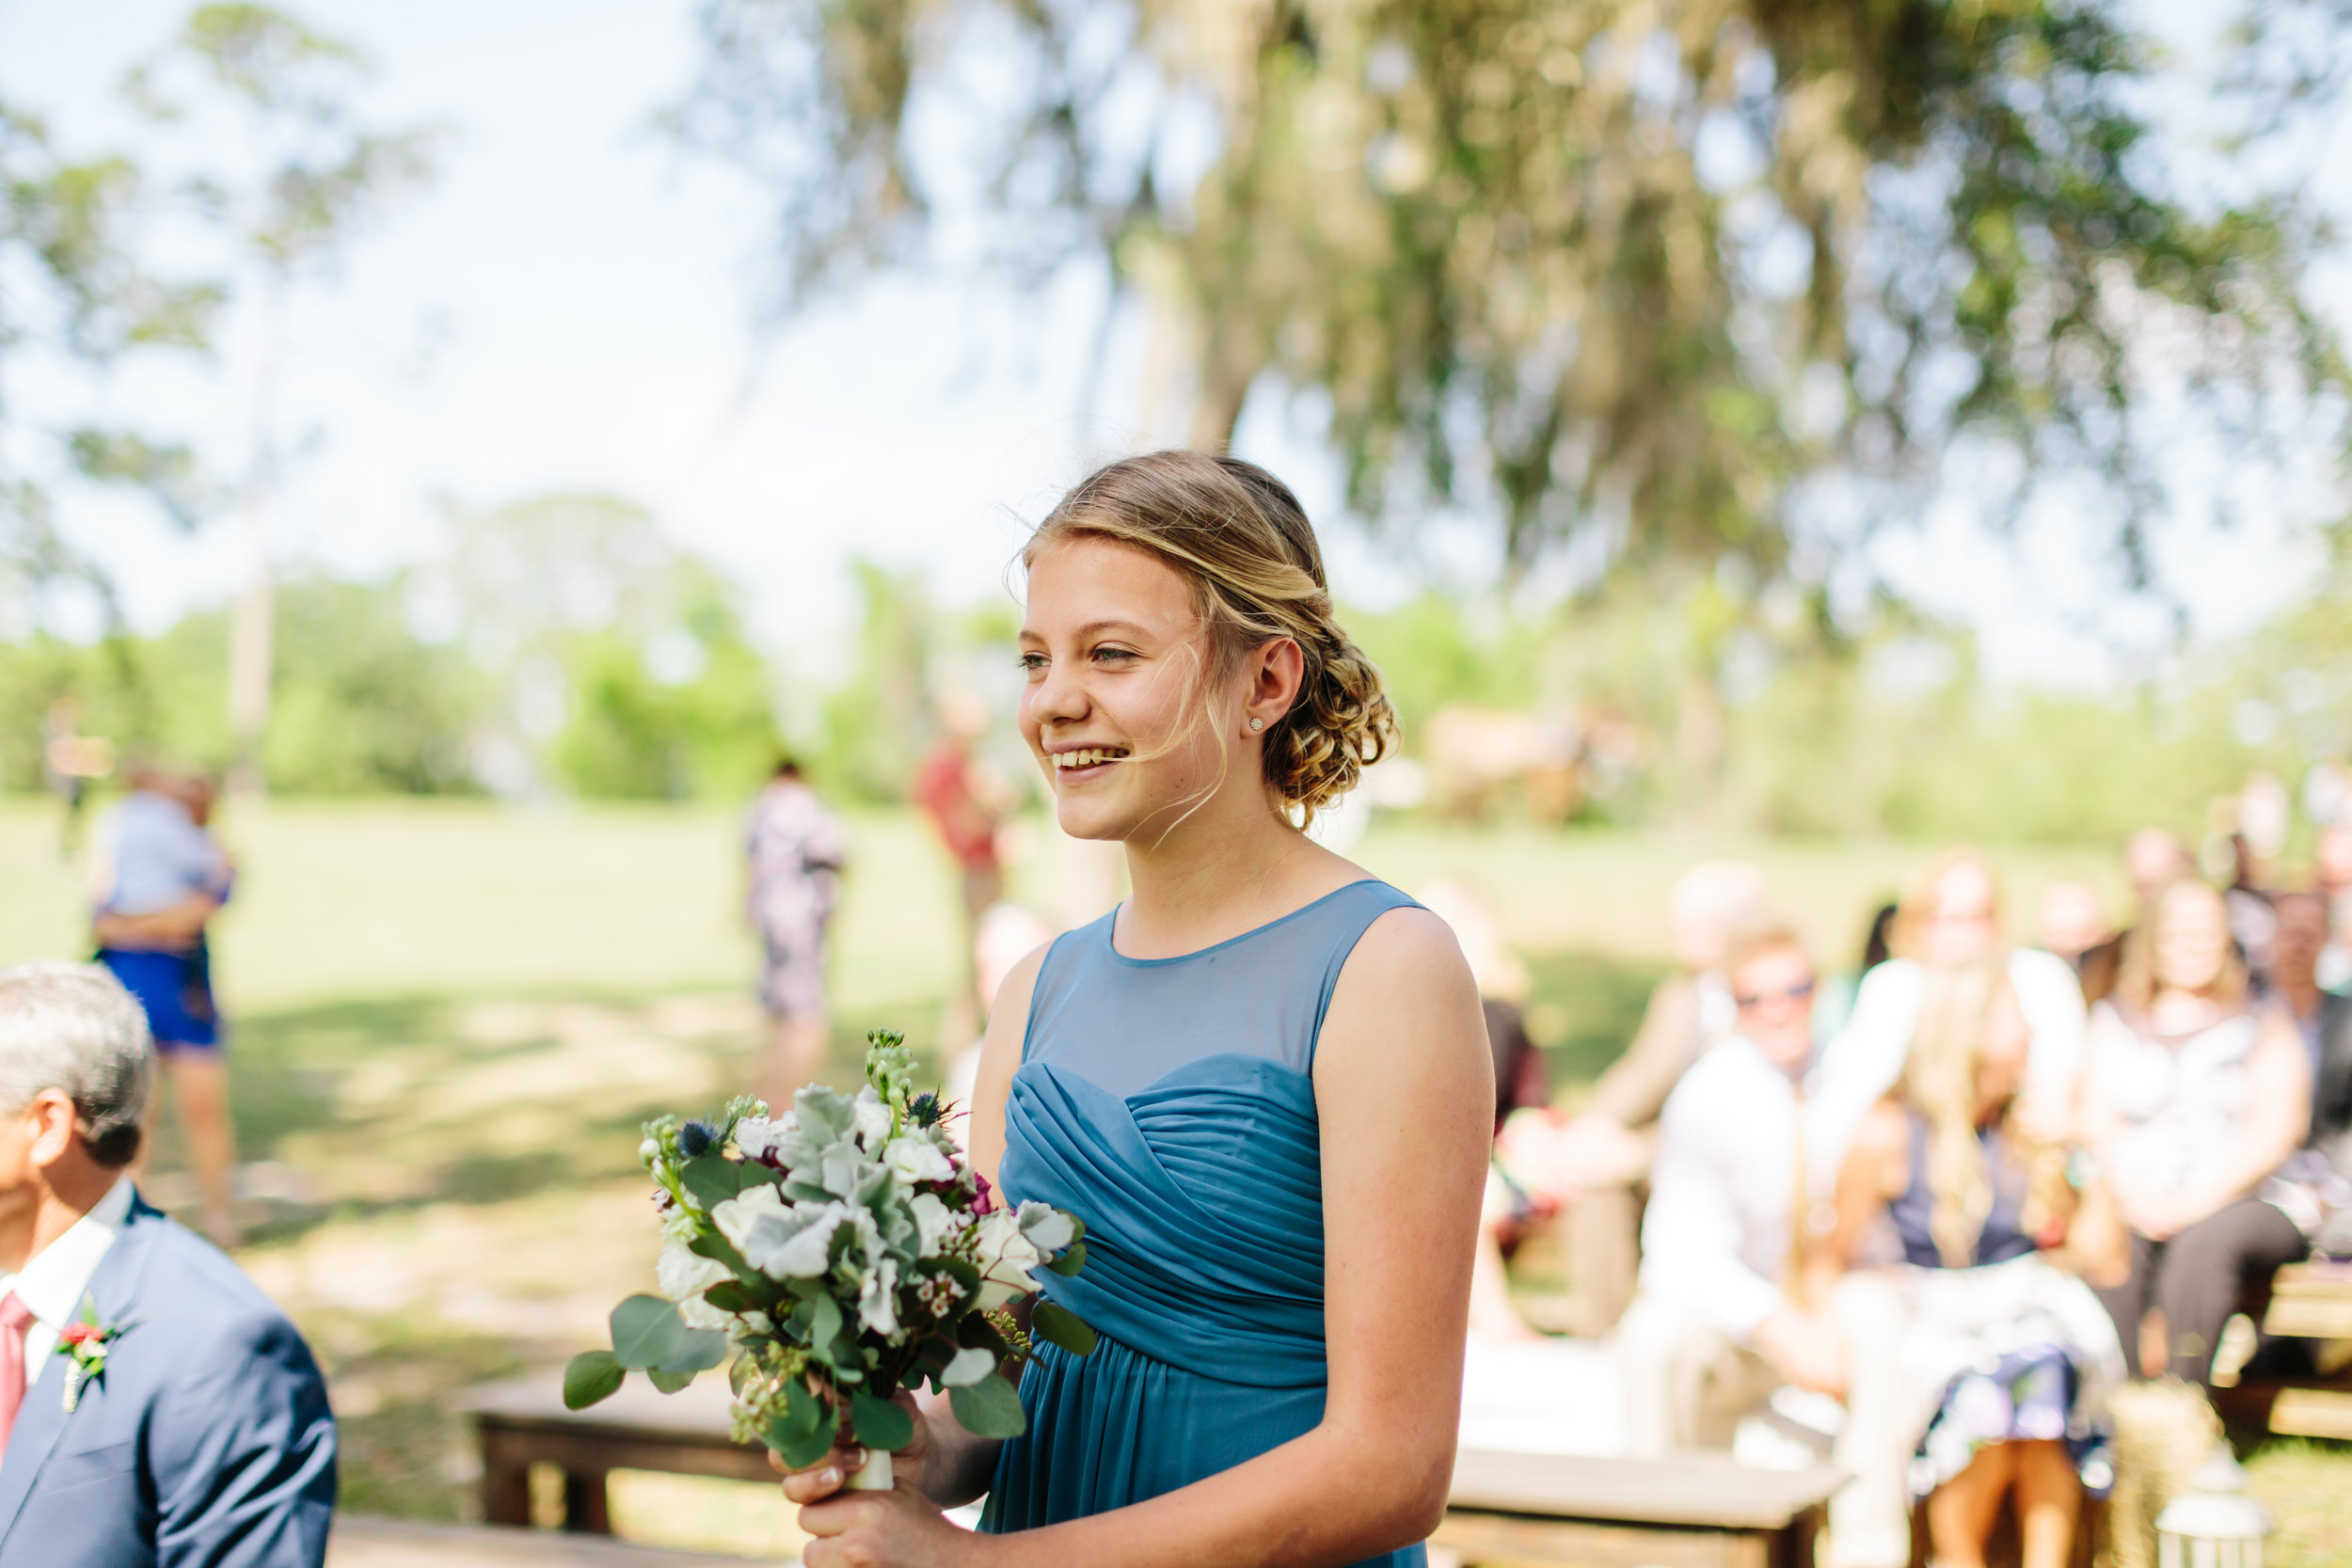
(2163, 1430)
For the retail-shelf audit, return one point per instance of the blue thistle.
(695, 1138)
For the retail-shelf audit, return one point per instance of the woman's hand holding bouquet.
(836, 1257)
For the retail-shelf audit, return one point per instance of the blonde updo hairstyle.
(1242, 543)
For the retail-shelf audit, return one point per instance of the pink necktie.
(15, 1317)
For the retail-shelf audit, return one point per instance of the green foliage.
(592, 1377)
(1436, 651)
(647, 1332)
(878, 721)
(1059, 1326)
(1618, 273)
(80, 293)
(879, 1424)
(988, 1408)
(363, 707)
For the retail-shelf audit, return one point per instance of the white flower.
(798, 1251)
(877, 1299)
(842, 1168)
(683, 1276)
(758, 1137)
(935, 1221)
(735, 1217)
(1006, 1257)
(914, 1158)
(872, 1121)
(782, 1242)
(1046, 1228)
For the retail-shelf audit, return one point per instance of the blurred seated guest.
(161, 879)
(2193, 1097)
(1589, 1165)
(2301, 936)
(2153, 860)
(794, 853)
(2247, 899)
(1719, 1323)
(1951, 916)
(2073, 922)
(1503, 990)
(205, 1437)
(2330, 1142)
(2334, 883)
(1519, 1085)
(1832, 1003)
(2008, 1359)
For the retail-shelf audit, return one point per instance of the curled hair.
(1242, 543)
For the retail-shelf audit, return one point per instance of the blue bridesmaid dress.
(1168, 1103)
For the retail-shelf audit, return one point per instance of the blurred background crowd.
(504, 514)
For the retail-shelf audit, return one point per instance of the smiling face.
(1122, 708)
(2192, 938)
(1963, 920)
(1773, 987)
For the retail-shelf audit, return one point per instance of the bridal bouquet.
(834, 1256)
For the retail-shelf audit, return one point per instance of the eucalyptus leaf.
(712, 1179)
(647, 1332)
(879, 1424)
(705, 1348)
(824, 1323)
(594, 1375)
(988, 1408)
(967, 1368)
(733, 1295)
(1060, 1326)
(799, 1448)
(666, 1380)
(719, 1250)
(1071, 1261)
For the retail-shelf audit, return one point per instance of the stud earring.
(1257, 723)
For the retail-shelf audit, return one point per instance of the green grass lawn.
(450, 1017)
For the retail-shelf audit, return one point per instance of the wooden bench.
(361, 1542)
(2308, 1300)
(1692, 1510)
(523, 1422)
(1695, 1511)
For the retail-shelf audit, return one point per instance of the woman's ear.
(1276, 671)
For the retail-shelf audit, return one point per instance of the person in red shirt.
(966, 804)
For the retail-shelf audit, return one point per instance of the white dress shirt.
(1865, 1060)
(54, 1279)
(1716, 1236)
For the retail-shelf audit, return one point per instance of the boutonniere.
(84, 1342)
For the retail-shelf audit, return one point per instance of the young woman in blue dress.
(1263, 1081)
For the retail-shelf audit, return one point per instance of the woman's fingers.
(820, 1480)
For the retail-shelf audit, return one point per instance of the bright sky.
(570, 307)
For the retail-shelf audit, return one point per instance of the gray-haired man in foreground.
(155, 1408)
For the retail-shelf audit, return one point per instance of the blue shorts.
(176, 989)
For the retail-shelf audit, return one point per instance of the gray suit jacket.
(207, 1442)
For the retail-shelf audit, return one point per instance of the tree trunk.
(253, 623)
(251, 651)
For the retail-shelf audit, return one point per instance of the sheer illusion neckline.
(1110, 930)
